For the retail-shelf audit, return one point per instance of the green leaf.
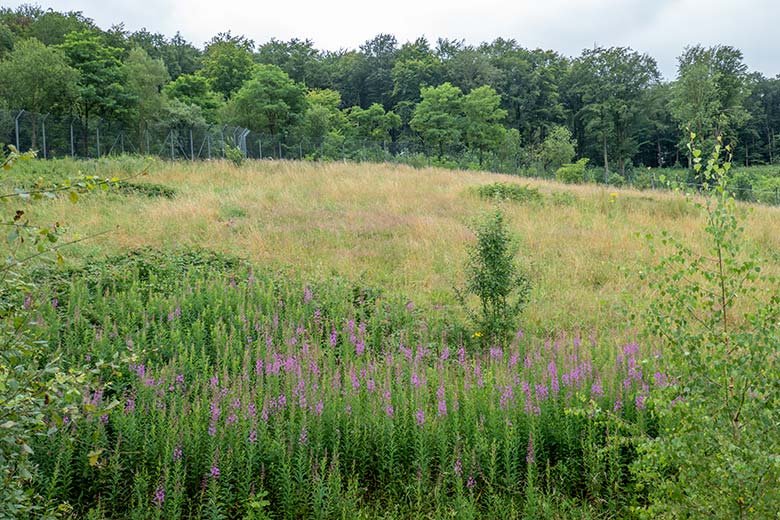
(74, 197)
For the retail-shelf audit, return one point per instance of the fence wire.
(57, 136)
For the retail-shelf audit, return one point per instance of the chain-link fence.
(56, 136)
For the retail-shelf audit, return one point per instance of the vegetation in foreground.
(206, 388)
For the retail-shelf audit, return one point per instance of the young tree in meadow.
(269, 103)
(227, 63)
(708, 95)
(437, 117)
(38, 79)
(611, 83)
(102, 90)
(145, 78)
(482, 118)
(194, 89)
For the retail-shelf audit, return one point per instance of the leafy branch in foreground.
(717, 454)
(38, 394)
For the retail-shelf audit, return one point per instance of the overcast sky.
(661, 28)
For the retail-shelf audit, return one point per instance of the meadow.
(392, 228)
(282, 340)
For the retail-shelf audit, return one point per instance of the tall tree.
(482, 118)
(298, 58)
(227, 63)
(611, 84)
(180, 56)
(437, 118)
(380, 53)
(102, 87)
(270, 102)
(145, 79)
(373, 123)
(193, 89)
(709, 92)
(322, 116)
(38, 79)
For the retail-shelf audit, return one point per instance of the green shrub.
(151, 190)
(572, 173)
(501, 191)
(615, 179)
(493, 277)
(234, 154)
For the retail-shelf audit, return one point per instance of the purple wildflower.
(457, 467)
(530, 457)
(420, 417)
(214, 471)
(159, 496)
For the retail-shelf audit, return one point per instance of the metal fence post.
(72, 145)
(172, 151)
(16, 124)
(208, 142)
(260, 146)
(97, 130)
(192, 148)
(43, 131)
(300, 151)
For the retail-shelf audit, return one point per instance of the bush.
(501, 191)
(234, 154)
(572, 173)
(493, 277)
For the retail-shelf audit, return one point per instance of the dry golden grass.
(402, 229)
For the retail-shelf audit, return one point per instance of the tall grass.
(397, 228)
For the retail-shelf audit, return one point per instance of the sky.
(661, 28)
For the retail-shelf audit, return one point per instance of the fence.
(56, 136)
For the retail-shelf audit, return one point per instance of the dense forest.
(443, 99)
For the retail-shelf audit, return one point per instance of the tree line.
(444, 99)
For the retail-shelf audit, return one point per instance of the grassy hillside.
(392, 227)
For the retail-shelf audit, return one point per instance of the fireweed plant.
(249, 394)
